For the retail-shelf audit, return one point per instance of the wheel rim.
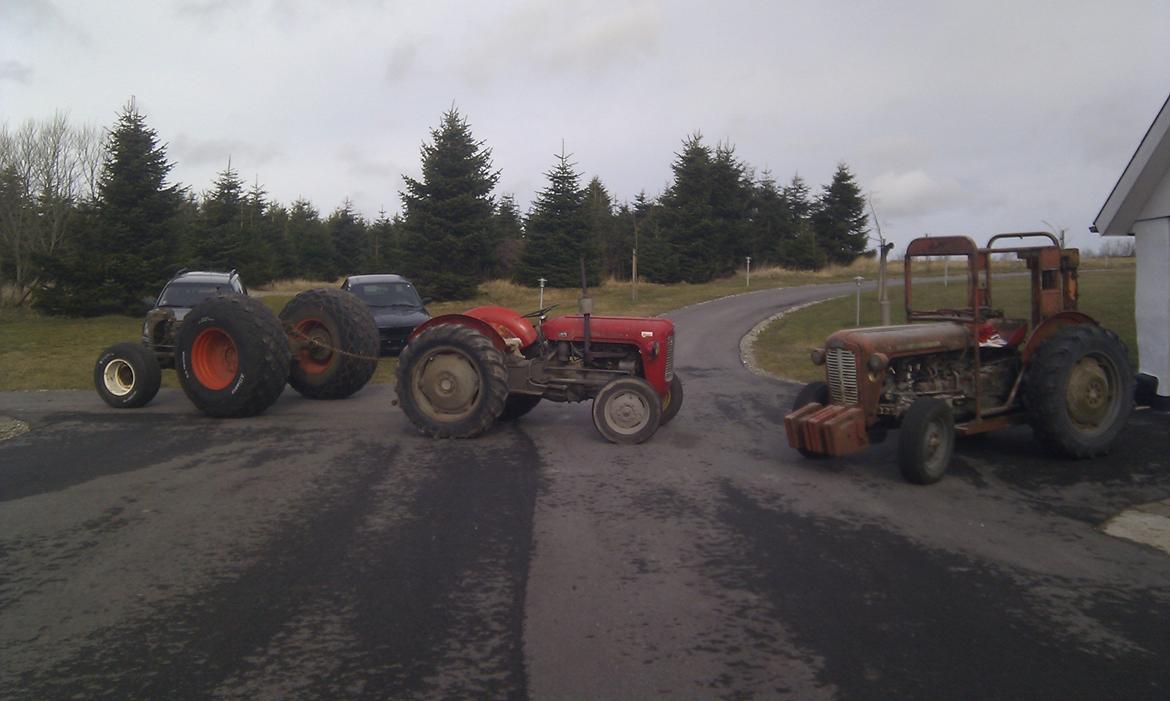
(119, 377)
(447, 384)
(935, 446)
(627, 412)
(315, 352)
(1091, 395)
(214, 359)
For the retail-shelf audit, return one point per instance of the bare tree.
(47, 168)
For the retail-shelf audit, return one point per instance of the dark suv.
(185, 290)
(395, 304)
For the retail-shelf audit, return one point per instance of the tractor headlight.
(877, 361)
(817, 356)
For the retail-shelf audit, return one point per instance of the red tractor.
(970, 370)
(460, 373)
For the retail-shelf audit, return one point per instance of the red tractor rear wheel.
(452, 382)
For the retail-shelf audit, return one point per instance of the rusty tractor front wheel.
(927, 441)
(627, 411)
(336, 342)
(232, 356)
(451, 382)
(816, 391)
(1079, 391)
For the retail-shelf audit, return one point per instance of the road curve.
(324, 550)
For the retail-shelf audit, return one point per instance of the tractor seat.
(1002, 333)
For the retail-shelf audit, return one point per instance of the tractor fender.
(462, 320)
(1049, 327)
(507, 322)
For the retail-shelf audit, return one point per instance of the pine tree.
(688, 221)
(840, 221)
(771, 223)
(509, 236)
(310, 239)
(127, 248)
(350, 239)
(385, 245)
(613, 241)
(448, 213)
(557, 233)
(800, 251)
(731, 208)
(216, 243)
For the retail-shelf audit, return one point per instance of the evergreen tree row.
(136, 228)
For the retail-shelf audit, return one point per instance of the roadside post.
(858, 280)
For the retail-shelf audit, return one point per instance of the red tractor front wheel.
(627, 411)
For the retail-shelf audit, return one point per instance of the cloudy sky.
(957, 116)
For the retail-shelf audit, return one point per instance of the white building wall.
(1152, 300)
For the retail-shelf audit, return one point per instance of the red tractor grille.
(841, 366)
(670, 357)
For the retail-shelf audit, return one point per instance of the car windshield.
(188, 294)
(387, 294)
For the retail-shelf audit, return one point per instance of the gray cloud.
(15, 71)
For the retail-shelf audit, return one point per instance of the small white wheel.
(119, 377)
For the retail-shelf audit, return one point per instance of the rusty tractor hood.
(905, 339)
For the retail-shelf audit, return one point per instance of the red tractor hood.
(609, 329)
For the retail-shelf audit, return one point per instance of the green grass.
(40, 352)
(782, 348)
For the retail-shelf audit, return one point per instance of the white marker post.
(541, 281)
(749, 272)
(858, 280)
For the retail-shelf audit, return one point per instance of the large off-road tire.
(673, 401)
(232, 356)
(1079, 391)
(127, 375)
(337, 341)
(452, 382)
(818, 392)
(627, 411)
(517, 405)
(927, 441)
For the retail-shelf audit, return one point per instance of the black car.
(395, 304)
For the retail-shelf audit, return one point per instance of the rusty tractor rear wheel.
(1079, 391)
(518, 405)
(673, 401)
(336, 341)
(232, 356)
(452, 382)
(627, 411)
(818, 392)
(927, 441)
(127, 375)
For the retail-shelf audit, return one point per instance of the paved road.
(323, 550)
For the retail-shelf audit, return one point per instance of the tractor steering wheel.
(540, 312)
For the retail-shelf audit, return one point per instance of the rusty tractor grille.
(842, 373)
(670, 357)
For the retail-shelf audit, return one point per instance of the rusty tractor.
(969, 370)
(459, 373)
